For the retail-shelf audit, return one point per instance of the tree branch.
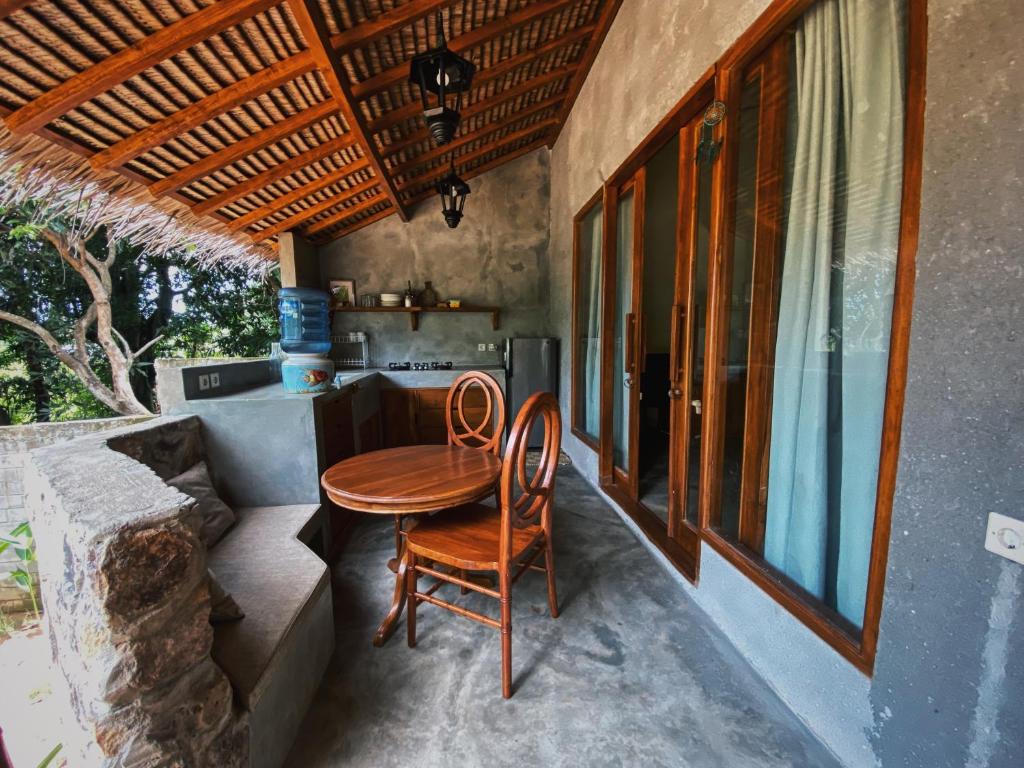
(142, 350)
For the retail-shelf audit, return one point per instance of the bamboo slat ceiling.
(294, 115)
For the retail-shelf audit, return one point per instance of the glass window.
(815, 240)
(587, 323)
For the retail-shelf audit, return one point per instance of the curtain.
(844, 180)
(592, 331)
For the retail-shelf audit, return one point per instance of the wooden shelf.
(414, 312)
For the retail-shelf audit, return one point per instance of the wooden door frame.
(574, 395)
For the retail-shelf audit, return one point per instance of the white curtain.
(592, 332)
(845, 152)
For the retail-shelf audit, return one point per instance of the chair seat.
(468, 537)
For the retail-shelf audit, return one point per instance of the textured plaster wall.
(948, 686)
(498, 255)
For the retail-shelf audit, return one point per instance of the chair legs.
(506, 635)
(549, 566)
(411, 577)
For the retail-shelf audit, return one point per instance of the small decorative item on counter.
(343, 293)
(454, 303)
(410, 296)
(307, 374)
(429, 297)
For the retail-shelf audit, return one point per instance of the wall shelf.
(414, 312)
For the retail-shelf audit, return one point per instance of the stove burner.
(434, 365)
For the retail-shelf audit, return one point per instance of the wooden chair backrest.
(487, 434)
(526, 495)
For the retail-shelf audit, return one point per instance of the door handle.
(696, 406)
(630, 346)
(675, 393)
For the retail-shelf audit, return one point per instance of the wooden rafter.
(203, 110)
(247, 146)
(486, 149)
(325, 205)
(280, 171)
(512, 120)
(385, 24)
(381, 214)
(485, 105)
(346, 213)
(137, 57)
(396, 74)
(310, 19)
(297, 194)
(413, 110)
(604, 23)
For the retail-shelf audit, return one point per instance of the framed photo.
(343, 292)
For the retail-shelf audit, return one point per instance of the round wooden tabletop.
(413, 478)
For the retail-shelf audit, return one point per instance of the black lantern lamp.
(442, 77)
(453, 191)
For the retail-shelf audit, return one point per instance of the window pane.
(738, 299)
(842, 190)
(623, 306)
(588, 323)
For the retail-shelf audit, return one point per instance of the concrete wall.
(948, 686)
(497, 256)
(15, 443)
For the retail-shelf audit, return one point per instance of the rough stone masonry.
(124, 584)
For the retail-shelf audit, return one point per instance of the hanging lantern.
(453, 191)
(442, 77)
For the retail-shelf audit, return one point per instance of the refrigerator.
(531, 365)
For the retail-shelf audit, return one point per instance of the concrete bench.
(276, 656)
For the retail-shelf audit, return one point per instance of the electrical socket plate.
(204, 382)
(214, 380)
(492, 347)
(481, 347)
(1005, 537)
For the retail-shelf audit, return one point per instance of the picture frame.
(343, 292)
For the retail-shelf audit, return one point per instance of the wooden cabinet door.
(339, 441)
(398, 418)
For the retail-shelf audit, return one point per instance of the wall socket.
(204, 382)
(214, 380)
(1005, 537)
(481, 347)
(492, 347)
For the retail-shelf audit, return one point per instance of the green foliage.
(21, 541)
(200, 311)
(50, 757)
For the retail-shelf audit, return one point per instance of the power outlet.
(204, 382)
(492, 347)
(481, 347)
(214, 380)
(1005, 537)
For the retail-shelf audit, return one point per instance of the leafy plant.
(49, 758)
(21, 541)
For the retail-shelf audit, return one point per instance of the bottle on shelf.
(410, 296)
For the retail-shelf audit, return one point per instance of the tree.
(53, 359)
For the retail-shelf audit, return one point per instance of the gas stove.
(421, 365)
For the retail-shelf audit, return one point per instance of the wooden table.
(407, 481)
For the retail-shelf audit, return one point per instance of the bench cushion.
(273, 577)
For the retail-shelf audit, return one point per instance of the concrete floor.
(631, 673)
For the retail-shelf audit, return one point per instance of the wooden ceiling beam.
(204, 110)
(297, 194)
(412, 110)
(127, 63)
(7, 7)
(306, 213)
(309, 17)
(278, 172)
(247, 146)
(346, 213)
(524, 88)
(463, 43)
(402, 169)
(604, 23)
(382, 214)
(385, 24)
(486, 149)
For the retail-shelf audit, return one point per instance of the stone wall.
(15, 443)
(123, 576)
(497, 256)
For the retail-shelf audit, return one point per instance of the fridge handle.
(507, 354)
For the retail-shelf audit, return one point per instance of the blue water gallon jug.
(305, 322)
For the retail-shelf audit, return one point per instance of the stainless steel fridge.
(531, 365)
